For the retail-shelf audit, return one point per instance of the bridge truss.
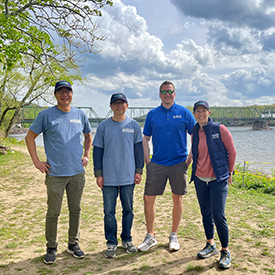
(226, 115)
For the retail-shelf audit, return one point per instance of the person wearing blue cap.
(213, 154)
(118, 163)
(62, 127)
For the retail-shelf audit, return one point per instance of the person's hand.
(100, 182)
(137, 178)
(42, 166)
(85, 161)
(230, 179)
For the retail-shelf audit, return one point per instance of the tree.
(32, 83)
(26, 26)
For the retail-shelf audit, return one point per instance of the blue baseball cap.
(201, 103)
(62, 84)
(118, 96)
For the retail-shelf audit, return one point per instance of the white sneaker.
(173, 242)
(148, 242)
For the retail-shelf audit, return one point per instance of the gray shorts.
(157, 176)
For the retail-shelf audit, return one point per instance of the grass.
(256, 182)
(250, 215)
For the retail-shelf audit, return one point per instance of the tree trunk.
(12, 121)
(4, 114)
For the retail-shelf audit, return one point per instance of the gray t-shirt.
(118, 140)
(62, 139)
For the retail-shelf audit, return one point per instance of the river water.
(255, 147)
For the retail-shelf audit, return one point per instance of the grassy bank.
(257, 182)
(250, 215)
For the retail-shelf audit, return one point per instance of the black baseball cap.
(201, 103)
(62, 84)
(118, 96)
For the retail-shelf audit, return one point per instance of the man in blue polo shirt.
(168, 125)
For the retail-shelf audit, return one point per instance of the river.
(255, 147)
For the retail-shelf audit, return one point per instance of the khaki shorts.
(157, 176)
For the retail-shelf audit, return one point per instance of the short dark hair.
(166, 83)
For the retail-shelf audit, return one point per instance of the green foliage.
(13, 141)
(31, 82)
(256, 182)
(26, 26)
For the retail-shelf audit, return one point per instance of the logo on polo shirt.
(127, 130)
(215, 136)
(177, 116)
(75, 121)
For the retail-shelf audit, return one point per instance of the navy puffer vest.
(217, 151)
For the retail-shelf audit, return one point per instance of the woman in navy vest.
(214, 155)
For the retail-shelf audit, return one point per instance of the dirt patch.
(22, 217)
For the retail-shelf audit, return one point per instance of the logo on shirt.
(75, 121)
(215, 136)
(177, 116)
(127, 130)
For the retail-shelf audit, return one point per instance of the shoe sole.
(72, 253)
(214, 252)
(108, 257)
(225, 266)
(51, 262)
(129, 252)
(174, 249)
(142, 250)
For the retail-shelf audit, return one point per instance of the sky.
(219, 51)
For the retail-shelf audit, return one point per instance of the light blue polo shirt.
(169, 128)
(62, 139)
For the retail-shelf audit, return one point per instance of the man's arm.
(87, 148)
(146, 148)
(139, 161)
(98, 157)
(30, 141)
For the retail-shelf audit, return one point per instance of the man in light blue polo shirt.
(168, 126)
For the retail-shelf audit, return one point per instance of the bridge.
(229, 116)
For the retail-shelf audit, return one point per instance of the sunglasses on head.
(165, 92)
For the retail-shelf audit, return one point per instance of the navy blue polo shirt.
(169, 128)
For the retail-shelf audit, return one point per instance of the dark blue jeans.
(212, 198)
(110, 194)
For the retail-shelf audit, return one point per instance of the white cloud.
(206, 57)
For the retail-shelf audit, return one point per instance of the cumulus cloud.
(257, 83)
(127, 35)
(231, 64)
(233, 40)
